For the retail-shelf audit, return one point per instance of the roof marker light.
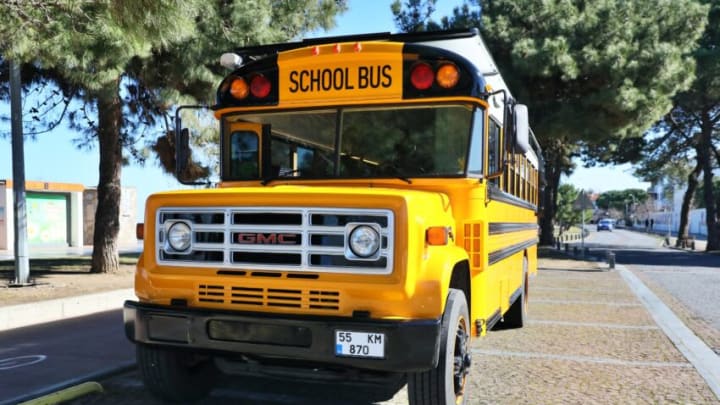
(338, 48)
(316, 50)
(230, 61)
(358, 47)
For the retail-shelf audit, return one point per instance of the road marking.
(582, 302)
(593, 325)
(21, 361)
(581, 359)
(706, 362)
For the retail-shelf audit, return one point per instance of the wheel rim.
(461, 360)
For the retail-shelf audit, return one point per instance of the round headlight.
(364, 241)
(179, 236)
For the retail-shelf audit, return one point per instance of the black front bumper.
(409, 345)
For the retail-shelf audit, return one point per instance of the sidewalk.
(60, 293)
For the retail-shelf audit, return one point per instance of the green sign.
(47, 218)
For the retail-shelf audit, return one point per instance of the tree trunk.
(105, 257)
(705, 159)
(683, 230)
(553, 171)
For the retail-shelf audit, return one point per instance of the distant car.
(605, 225)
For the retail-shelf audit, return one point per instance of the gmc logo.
(249, 238)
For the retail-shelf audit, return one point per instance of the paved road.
(693, 278)
(38, 358)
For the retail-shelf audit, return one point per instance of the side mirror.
(186, 171)
(522, 127)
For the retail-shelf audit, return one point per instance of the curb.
(705, 361)
(67, 394)
(100, 375)
(16, 316)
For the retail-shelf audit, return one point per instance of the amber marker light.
(239, 88)
(260, 86)
(139, 231)
(436, 236)
(447, 76)
(422, 76)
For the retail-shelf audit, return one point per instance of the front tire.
(175, 376)
(446, 383)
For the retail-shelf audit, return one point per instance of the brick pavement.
(590, 340)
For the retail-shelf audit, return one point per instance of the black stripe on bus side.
(495, 228)
(494, 319)
(514, 296)
(503, 253)
(496, 194)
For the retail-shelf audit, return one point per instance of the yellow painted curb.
(66, 394)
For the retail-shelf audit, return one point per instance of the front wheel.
(175, 376)
(446, 383)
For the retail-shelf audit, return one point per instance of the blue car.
(605, 225)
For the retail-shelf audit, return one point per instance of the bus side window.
(244, 155)
(494, 150)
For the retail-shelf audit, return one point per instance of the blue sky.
(53, 158)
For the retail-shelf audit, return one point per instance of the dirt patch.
(60, 278)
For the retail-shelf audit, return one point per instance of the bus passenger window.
(244, 155)
(494, 152)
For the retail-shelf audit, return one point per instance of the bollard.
(575, 250)
(558, 244)
(611, 259)
(567, 248)
(587, 252)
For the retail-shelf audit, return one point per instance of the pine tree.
(128, 61)
(592, 73)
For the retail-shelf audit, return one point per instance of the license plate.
(359, 344)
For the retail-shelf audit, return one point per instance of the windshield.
(417, 141)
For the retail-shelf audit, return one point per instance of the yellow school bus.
(377, 209)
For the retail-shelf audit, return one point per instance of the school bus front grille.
(259, 297)
(291, 239)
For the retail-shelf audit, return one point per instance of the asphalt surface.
(692, 277)
(38, 359)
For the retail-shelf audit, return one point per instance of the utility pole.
(22, 263)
